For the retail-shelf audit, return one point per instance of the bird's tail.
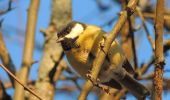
(134, 87)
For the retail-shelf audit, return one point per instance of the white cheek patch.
(75, 31)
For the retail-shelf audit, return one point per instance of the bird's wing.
(135, 87)
(112, 83)
(128, 67)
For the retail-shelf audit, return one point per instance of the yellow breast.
(89, 42)
(79, 57)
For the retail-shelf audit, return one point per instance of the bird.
(82, 42)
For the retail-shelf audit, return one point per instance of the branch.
(98, 61)
(3, 94)
(146, 66)
(125, 36)
(8, 85)
(145, 28)
(62, 66)
(166, 19)
(19, 81)
(8, 9)
(151, 15)
(28, 49)
(120, 94)
(133, 43)
(6, 59)
(52, 51)
(159, 57)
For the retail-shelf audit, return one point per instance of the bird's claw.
(89, 76)
(101, 47)
(97, 83)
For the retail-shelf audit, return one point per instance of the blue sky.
(86, 11)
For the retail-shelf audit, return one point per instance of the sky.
(87, 11)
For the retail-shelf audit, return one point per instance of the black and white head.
(69, 34)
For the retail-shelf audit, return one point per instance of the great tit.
(81, 44)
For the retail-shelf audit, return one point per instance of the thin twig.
(146, 77)
(8, 9)
(146, 29)
(25, 87)
(3, 94)
(59, 69)
(73, 79)
(8, 85)
(98, 61)
(133, 44)
(159, 56)
(120, 94)
(6, 58)
(152, 15)
(125, 36)
(146, 66)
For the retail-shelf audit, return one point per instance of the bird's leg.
(101, 44)
(97, 83)
(89, 76)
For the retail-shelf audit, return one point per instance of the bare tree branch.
(145, 67)
(146, 29)
(133, 42)
(125, 36)
(19, 81)
(8, 85)
(6, 59)
(8, 9)
(62, 66)
(3, 94)
(159, 56)
(28, 49)
(101, 56)
(45, 84)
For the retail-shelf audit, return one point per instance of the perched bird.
(81, 44)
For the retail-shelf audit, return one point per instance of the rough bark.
(159, 56)
(28, 49)
(52, 53)
(102, 54)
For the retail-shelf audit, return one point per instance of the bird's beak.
(60, 39)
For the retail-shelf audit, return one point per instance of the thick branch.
(159, 57)
(101, 55)
(28, 49)
(52, 52)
